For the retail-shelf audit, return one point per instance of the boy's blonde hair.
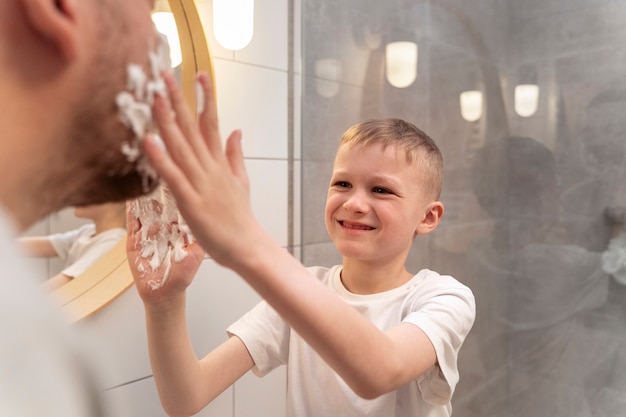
(419, 147)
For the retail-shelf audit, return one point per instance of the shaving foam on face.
(164, 234)
(135, 104)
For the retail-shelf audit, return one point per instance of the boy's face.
(375, 203)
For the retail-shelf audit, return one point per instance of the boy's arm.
(37, 246)
(370, 361)
(211, 189)
(185, 384)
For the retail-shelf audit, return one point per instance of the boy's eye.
(343, 184)
(381, 190)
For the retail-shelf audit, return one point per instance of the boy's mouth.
(354, 226)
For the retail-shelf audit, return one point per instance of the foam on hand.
(164, 234)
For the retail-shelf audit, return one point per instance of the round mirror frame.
(110, 276)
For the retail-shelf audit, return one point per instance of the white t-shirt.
(81, 247)
(439, 305)
(45, 370)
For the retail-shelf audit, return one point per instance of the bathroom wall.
(255, 88)
(526, 222)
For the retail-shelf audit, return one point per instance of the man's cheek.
(134, 104)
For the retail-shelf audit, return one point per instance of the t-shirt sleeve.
(62, 242)
(92, 250)
(266, 336)
(445, 312)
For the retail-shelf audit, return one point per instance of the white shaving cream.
(135, 104)
(164, 234)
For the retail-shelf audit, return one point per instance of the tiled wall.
(255, 87)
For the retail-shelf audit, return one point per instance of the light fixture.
(401, 63)
(471, 105)
(526, 99)
(233, 23)
(327, 76)
(166, 24)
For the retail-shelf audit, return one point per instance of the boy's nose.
(356, 203)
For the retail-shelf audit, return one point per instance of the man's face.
(125, 36)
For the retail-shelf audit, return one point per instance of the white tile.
(121, 333)
(255, 100)
(216, 298)
(268, 47)
(268, 193)
(40, 228)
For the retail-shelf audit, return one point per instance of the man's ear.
(432, 216)
(55, 21)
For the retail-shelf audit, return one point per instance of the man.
(63, 63)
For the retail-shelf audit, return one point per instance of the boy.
(365, 338)
(78, 249)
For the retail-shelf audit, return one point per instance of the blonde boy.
(365, 338)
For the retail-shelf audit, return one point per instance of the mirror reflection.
(79, 253)
(77, 249)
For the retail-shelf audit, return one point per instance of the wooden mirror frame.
(110, 276)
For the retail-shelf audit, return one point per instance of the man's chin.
(113, 189)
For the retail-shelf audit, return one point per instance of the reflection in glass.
(526, 99)
(401, 63)
(471, 105)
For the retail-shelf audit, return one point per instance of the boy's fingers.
(234, 154)
(180, 150)
(178, 182)
(185, 121)
(208, 121)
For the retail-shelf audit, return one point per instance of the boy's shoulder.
(427, 278)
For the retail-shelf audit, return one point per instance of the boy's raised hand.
(210, 184)
(158, 282)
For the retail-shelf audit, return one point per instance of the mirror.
(110, 276)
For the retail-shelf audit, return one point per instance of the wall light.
(526, 99)
(233, 23)
(327, 76)
(471, 105)
(401, 63)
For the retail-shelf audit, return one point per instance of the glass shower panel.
(535, 199)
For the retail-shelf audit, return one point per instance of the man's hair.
(419, 147)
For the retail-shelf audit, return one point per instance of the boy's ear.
(432, 216)
(56, 22)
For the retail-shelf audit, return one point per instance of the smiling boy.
(365, 338)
